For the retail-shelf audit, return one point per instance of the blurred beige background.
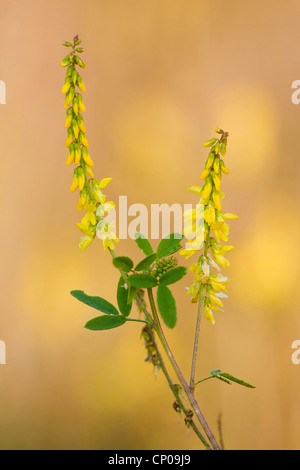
(161, 76)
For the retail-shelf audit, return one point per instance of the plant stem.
(175, 392)
(198, 321)
(187, 389)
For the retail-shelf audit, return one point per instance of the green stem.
(137, 320)
(176, 393)
(203, 380)
(198, 321)
(186, 388)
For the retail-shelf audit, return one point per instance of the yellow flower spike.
(207, 189)
(80, 83)
(70, 137)
(81, 103)
(75, 182)
(75, 105)
(66, 86)
(217, 201)
(83, 139)
(69, 117)
(204, 174)
(212, 287)
(90, 194)
(224, 168)
(77, 150)
(71, 155)
(75, 128)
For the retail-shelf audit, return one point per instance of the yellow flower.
(207, 189)
(83, 139)
(217, 202)
(71, 155)
(70, 137)
(86, 157)
(85, 242)
(75, 182)
(208, 314)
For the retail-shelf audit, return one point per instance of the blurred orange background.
(160, 77)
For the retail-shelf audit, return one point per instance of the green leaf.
(219, 373)
(173, 275)
(124, 263)
(142, 281)
(122, 295)
(143, 243)
(166, 306)
(145, 263)
(169, 245)
(96, 302)
(105, 322)
(131, 293)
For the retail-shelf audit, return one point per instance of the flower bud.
(83, 139)
(216, 165)
(71, 155)
(79, 62)
(75, 128)
(80, 83)
(223, 147)
(70, 137)
(81, 178)
(81, 123)
(77, 150)
(210, 142)
(210, 160)
(66, 86)
(69, 117)
(74, 76)
(86, 157)
(75, 181)
(81, 103)
(224, 168)
(66, 61)
(75, 105)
